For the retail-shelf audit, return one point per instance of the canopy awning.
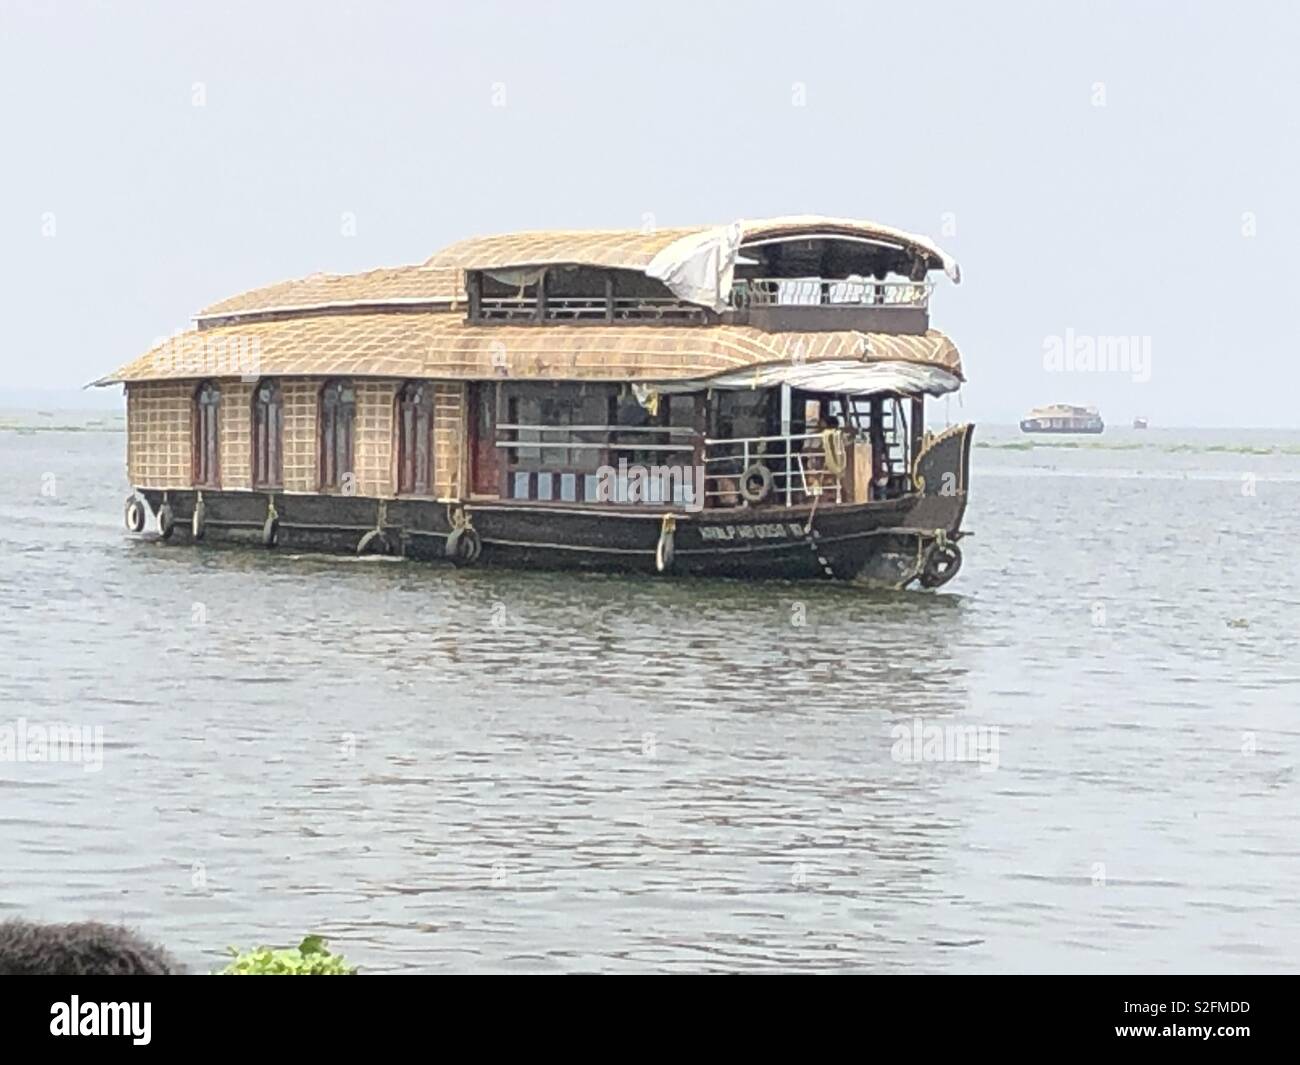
(840, 377)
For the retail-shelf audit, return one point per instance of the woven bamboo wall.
(160, 442)
(373, 450)
(301, 451)
(159, 446)
(236, 434)
(448, 436)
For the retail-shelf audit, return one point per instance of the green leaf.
(312, 945)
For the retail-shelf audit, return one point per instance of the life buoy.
(941, 565)
(375, 542)
(166, 521)
(199, 523)
(271, 530)
(135, 514)
(756, 483)
(464, 546)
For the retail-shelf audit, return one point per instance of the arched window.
(207, 436)
(415, 439)
(268, 435)
(338, 413)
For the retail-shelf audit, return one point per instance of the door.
(484, 455)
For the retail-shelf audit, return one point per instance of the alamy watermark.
(197, 354)
(1084, 353)
(25, 741)
(918, 741)
(674, 485)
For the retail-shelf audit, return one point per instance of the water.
(443, 770)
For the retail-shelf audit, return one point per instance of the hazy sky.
(1098, 169)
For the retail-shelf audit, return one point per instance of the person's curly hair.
(84, 949)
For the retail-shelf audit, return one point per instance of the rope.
(457, 518)
(812, 538)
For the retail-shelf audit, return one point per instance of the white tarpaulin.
(699, 268)
(837, 376)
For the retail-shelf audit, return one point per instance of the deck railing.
(589, 309)
(746, 293)
(797, 464)
(560, 462)
(821, 292)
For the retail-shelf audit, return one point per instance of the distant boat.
(1062, 418)
(1139, 423)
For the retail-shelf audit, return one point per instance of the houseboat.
(742, 400)
(1062, 418)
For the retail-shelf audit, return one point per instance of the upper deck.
(803, 274)
(667, 304)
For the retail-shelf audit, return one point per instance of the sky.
(1100, 171)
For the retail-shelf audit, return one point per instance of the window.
(562, 430)
(338, 413)
(207, 436)
(268, 436)
(558, 414)
(415, 439)
(656, 448)
(745, 413)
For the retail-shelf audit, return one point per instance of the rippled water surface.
(444, 770)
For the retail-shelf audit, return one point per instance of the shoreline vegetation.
(1142, 445)
(28, 430)
(63, 421)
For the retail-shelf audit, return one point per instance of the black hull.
(884, 541)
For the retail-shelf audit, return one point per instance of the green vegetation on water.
(1173, 449)
(309, 958)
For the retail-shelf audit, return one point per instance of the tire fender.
(464, 545)
(665, 549)
(375, 542)
(135, 514)
(756, 483)
(942, 562)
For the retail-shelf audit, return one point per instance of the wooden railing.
(589, 309)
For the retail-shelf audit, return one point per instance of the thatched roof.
(440, 281)
(442, 346)
(388, 287)
(625, 249)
